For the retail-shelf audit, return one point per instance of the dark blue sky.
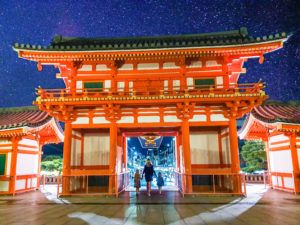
(36, 22)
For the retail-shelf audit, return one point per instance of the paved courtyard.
(261, 206)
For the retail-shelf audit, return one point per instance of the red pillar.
(234, 153)
(295, 160)
(67, 158)
(112, 156)
(185, 129)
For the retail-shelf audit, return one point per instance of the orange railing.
(150, 92)
(92, 184)
(207, 184)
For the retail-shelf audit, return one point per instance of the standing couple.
(149, 172)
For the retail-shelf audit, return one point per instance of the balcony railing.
(195, 91)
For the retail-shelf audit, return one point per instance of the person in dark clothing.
(148, 171)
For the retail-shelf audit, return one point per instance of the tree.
(52, 163)
(253, 153)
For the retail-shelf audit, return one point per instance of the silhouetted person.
(149, 172)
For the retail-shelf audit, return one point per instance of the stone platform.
(261, 206)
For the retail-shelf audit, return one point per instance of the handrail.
(177, 90)
(184, 177)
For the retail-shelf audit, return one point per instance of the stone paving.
(261, 206)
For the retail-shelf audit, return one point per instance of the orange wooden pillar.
(267, 141)
(295, 160)
(185, 129)
(112, 157)
(13, 165)
(67, 158)
(234, 155)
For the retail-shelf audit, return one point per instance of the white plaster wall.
(204, 148)
(27, 164)
(8, 163)
(20, 184)
(79, 85)
(148, 66)
(86, 68)
(277, 181)
(170, 65)
(195, 64)
(218, 117)
(281, 161)
(219, 81)
(5, 141)
(171, 119)
(4, 185)
(148, 119)
(288, 182)
(121, 85)
(34, 182)
(226, 150)
(81, 120)
(277, 138)
(26, 141)
(107, 84)
(210, 63)
(101, 67)
(287, 145)
(100, 120)
(198, 118)
(166, 84)
(75, 152)
(96, 148)
(176, 84)
(126, 119)
(126, 67)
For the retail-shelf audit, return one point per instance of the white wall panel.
(277, 181)
(277, 138)
(126, 67)
(148, 119)
(171, 119)
(100, 120)
(126, 119)
(218, 117)
(81, 120)
(204, 148)
(75, 152)
(4, 185)
(86, 68)
(101, 67)
(107, 84)
(219, 80)
(26, 141)
(27, 164)
(20, 184)
(96, 148)
(195, 64)
(198, 118)
(176, 84)
(281, 161)
(8, 163)
(288, 182)
(170, 65)
(5, 141)
(148, 66)
(226, 150)
(34, 182)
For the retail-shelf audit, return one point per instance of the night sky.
(36, 22)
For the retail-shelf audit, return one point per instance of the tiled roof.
(277, 113)
(234, 37)
(22, 116)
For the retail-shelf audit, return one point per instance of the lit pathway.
(260, 207)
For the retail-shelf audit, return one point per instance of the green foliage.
(253, 153)
(52, 163)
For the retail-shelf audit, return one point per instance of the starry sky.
(36, 22)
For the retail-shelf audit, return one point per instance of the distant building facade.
(23, 132)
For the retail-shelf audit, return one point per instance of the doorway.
(160, 150)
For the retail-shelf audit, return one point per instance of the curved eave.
(248, 128)
(53, 55)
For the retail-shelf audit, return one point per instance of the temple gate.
(185, 84)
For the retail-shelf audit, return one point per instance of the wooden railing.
(257, 178)
(193, 90)
(219, 184)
